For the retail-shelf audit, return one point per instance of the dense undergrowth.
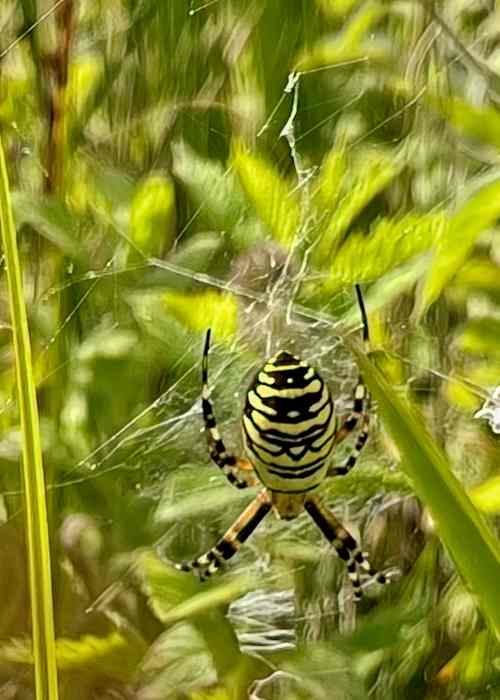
(241, 165)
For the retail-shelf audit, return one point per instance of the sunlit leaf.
(481, 335)
(390, 243)
(480, 211)
(152, 216)
(386, 289)
(349, 45)
(115, 655)
(479, 275)
(376, 174)
(85, 77)
(32, 467)
(481, 123)
(202, 310)
(486, 496)
(330, 180)
(337, 8)
(272, 197)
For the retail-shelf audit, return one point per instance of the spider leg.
(207, 564)
(358, 565)
(235, 470)
(357, 449)
(360, 411)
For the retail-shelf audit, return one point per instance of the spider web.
(164, 437)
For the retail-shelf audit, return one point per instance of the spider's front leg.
(230, 543)
(358, 565)
(359, 415)
(237, 471)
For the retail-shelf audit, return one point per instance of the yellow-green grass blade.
(463, 530)
(33, 478)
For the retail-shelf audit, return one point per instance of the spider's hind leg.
(207, 564)
(358, 565)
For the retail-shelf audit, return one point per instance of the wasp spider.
(290, 431)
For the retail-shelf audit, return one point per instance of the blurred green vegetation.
(241, 164)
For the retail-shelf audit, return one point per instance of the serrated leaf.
(348, 45)
(478, 275)
(179, 662)
(391, 243)
(331, 178)
(201, 310)
(472, 545)
(177, 596)
(211, 187)
(374, 178)
(481, 335)
(389, 287)
(480, 211)
(274, 202)
(480, 123)
(115, 655)
(51, 219)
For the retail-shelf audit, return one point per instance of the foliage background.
(241, 164)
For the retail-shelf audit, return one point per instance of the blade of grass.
(33, 477)
(461, 527)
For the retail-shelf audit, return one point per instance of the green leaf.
(486, 496)
(479, 275)
(480, 211)
(331, 179)
(201, 310)
(386, 289)
(37, 531)
(481, 335)
(337, 9)
(349, 45)
(472, 545)
(212, 188)
(391, 243)
(177, 596)
(199, 503)
(51, 219)
(274, 202)
(480, 123)
(114, 655)
(152, 216)
(359, 191)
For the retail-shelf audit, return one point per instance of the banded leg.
(358, 565)
(229, 544)
(360, 411)
(356, 451)
(235, 470)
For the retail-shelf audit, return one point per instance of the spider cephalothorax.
(289, 431)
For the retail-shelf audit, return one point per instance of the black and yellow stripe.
(229, 544)
(289, 425)
(289, 430)
(357, 562)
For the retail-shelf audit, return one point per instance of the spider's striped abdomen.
(289, 425)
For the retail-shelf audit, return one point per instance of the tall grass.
(33, 477)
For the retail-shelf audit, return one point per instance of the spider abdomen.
(289, 425)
